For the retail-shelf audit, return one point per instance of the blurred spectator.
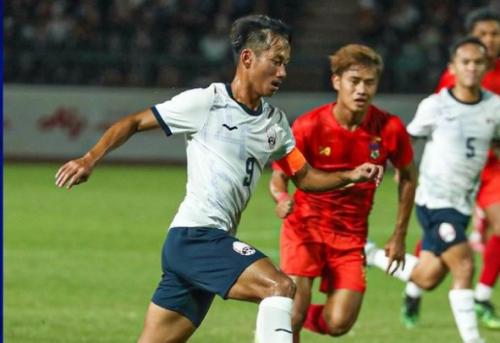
(146, 42)
(119, 42)
(413, 37)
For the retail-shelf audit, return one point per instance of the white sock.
(274, 322)
(382, 262)
(483, 292)
(462, 306)
(413, 290)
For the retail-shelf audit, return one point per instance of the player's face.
(488, 32)
(356, 87)
(469, 65)
(268, 67)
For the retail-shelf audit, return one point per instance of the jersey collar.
(247, 109)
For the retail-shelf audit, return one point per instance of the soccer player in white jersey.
(231, 134)
(459, 124)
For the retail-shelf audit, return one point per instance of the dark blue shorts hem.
(193, 320)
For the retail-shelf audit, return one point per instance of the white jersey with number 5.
(228, 145)
(458, 138)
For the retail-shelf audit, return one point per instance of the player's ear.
(335, 81)
(246, 57)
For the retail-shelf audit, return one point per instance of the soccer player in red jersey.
(485, 25)
(324, 234)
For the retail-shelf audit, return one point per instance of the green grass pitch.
(81, 265)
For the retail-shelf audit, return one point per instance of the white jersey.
(458, 139)
(228, 145)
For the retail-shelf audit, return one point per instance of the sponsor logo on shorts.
(243, 248)
(447, 232)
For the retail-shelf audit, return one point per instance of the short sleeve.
(299, 136)
(186, 112)
(286, 140)
(401, 150)
(423, 123)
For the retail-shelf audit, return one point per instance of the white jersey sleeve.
(423, 123)
(186, 112)
(287, 140)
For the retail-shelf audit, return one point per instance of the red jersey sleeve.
(447, 80)
(400, 148)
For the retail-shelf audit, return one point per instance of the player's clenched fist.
(284, 206)
(368, 172)
(74, 172)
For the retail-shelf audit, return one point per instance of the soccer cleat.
(486, 315)
(370, 250)
(410, 312)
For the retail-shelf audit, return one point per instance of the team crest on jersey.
(243, 248)
(271, 137)
(325, 150)
(375, 148)
(447, 232)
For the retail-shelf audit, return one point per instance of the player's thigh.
(165, 326)
(443, 228)
(460, 261)
(429, 271)
(342, 309)
(213, 261)
(260, 280)
(302, 251)
(345, 267)
(493, 215)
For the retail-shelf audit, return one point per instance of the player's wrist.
(281, 196)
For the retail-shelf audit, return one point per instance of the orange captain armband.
(292, 163)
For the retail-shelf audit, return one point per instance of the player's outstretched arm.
(395, 247)
(278, 187)
(310, 179)
(78, 170)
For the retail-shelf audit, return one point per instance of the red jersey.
(328, 146)
(491, 82)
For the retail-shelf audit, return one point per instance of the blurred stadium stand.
(183, 43)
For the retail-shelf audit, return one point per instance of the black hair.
(254, 31)
(480, 14)
(463, 41)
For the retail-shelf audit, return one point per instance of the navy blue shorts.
(198, 263)
(443, 228)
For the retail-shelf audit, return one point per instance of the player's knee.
(338, 326)
(338, 329)
(464, 270)
(284, 286)
(427, 284)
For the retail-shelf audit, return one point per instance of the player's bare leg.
(263, 282)
(165, 326)
(301, 303)
(341, 310)
(490, 271)
(429, 271)
(459, 260)
(427, 274)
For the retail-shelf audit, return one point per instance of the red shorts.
(337, 258)
(489, 191)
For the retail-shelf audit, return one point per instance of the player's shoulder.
(384, 119)
(314, 114)
(198, 96)
(491, 100)
(435, 100)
